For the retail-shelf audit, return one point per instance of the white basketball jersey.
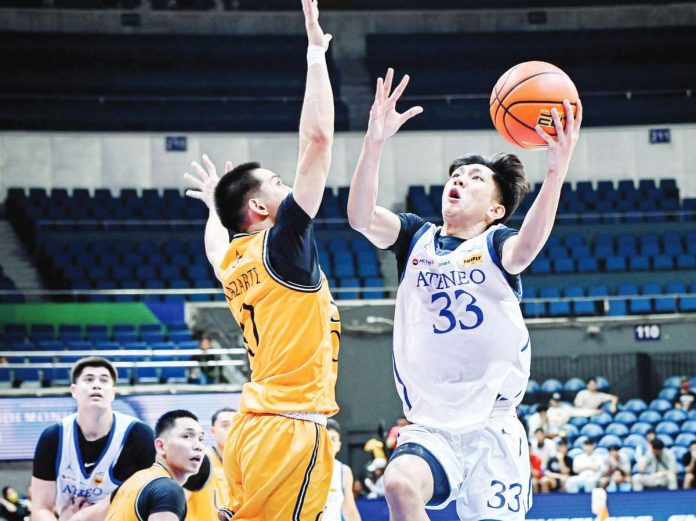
(334, 503)
(98, 483)
(461, 347)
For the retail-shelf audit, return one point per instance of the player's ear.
(496, 211)
(258, 207)
(159, 445)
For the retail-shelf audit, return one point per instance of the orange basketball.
(523, 98)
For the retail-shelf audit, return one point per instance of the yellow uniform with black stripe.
(123, 505)
(203, 505)
(278, 467)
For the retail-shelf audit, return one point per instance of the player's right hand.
(385, 121)
(315, 34)
(204, 185)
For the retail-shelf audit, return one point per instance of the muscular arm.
(520, 251)
(43, 497)
(378, 224)
(316, 121)
(349, 508)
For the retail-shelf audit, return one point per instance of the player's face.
(335, 441)
(271, 192)
(181, 447)
(470, 195)
(94, 388)
(221, 428)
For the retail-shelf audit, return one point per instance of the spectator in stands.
(641, 452)
(375, 482)
(543, 447)
(537, 470)
(540, 420)
(93, 450)
(658, 469)
(390, 442)
(560, 412)
(591, 398)
(689, 462)
(12, 507)
(587, 468)
(340, 505)
(686, 396)
(617, 472)
(205, 374)
(558, 469)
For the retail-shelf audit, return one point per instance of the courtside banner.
(649, 505)
(23, 419)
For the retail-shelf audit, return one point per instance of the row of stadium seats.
(57, 338)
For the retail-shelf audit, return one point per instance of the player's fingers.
(194, 194)
(228, 166)
(570, 118)
(193, 180)
(388, 82)
(399, 90)
(200, 170)
(379, 96)
(209, 165)
(543, 134)
(410, 113)
(578, 115)
(557, 124)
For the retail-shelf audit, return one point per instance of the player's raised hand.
(315, 34)
(203, 185)
(385, 121)
(561, 146)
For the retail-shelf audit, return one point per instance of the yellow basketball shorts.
(278, 468)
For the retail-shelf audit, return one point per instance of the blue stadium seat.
(540, 267)
(609, 440)
(592, 431)
(615, 263)
(532, 390)
(635, 405)
(677, 416)
(685, 439)
(375, 282)
(672, 382)
(617, 429)
(173, 375)
(573, 385)
(686, 261)
(639, 263)
(663, 263)
(689, 426)
(179, 336)
(666, 439)
(533, 309)
(349, 282)
(579, 421)
(587, 265)
(602, 419)
(667, 427)
(668, 394)
(551, 386)
(650, 416)
(660, 405)
(625, 417)
(635, 440)
(617, 307)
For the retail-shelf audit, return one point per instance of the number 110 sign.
(647, 332)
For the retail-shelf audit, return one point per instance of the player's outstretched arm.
(317, 118)
(519, 251)
(378, 224)
(217, 238)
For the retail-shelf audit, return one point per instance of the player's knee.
(399, 488)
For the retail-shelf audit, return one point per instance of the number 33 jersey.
(461, 347)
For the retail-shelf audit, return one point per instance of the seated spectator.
(540, 420)
(643, 452)
(543, 447)
(689, 462)
(560, 412)
(375, 482)
(537, 471)
(394, 431)
(591, 398)
(205, 374)
(686, 396)
(658, 469)
(558, 469)
(12, 507)
(588, 469)
(617, 472)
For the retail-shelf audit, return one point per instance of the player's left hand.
(72, 511)
(204, 185)
(315, 34)
(561, 146)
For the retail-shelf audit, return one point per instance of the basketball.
(523, 98)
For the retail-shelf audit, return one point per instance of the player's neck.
(95, 423)
(464, 230)
(259, 226)
(179, 477)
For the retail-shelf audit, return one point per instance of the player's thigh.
(498, 482)
(409, 475)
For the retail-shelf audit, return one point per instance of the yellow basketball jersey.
(204, 504)
(291, 332)
(123, 505)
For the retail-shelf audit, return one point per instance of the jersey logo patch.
(422, 262)
(474, 258)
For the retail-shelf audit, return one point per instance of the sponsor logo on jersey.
(444, 263)
(422, 262)
(99, 478)
(474, 258)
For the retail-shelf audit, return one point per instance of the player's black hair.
(232, 194)
(91, 361)
(333, 425)
(220, 411)
(168, 419)
(508, 175)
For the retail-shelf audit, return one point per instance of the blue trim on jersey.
(525, 347)
(494, 257)
(106, 447)
(398, 377)
(60, 448)
(441, 486)
(123, 442)
(414, 240)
